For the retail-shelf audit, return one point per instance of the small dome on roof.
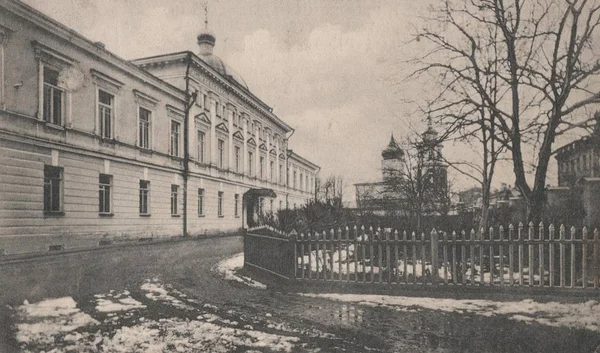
(392, 151)
(206, 42)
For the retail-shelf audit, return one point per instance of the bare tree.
(331, 190)
(417, 187)
(528, 65)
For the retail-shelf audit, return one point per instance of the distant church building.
(401, 178)
(96, 149)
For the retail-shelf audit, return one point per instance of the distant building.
(96, 149)
(390, 195)
(579, 176)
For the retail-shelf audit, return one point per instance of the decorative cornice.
(238, 135)
(44, 52)
(143, 98)
(175, 112)
(203, 118)
(98, 76)
(222, 127)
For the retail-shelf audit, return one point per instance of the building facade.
(579, 177)
(96, 149)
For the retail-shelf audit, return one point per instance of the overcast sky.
(328, 68)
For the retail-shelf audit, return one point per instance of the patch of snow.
(581, 315)
(193, 336)
(158, 292)
(121, 302)
(42, 322)
(228, 270)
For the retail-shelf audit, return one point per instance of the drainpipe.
(287, 175)
(189, 102)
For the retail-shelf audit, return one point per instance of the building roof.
(392, 151)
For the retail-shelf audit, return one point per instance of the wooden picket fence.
(505, 257)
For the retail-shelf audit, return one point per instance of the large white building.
(96, 149)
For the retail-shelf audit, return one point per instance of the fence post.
(595, 260)
(292, 241)
(584, 251)
(434, 256)
(551, 254)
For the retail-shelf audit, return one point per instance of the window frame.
(220, 195)
(177, 152)
(201, 194)
(144, 193)
(261, 165)
(53, 88)
(201, 146)
(112, 118)
(236, 206)
(49, 169)
(105, 188)
(220, 153)
(250, 162)
(149, 127)
(236, 156)
(174, 200)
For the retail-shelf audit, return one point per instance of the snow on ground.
(44, 321)
(116, 302)
(228, 270)
(120, 323)
(582, 315)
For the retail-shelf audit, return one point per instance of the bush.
(313, 216)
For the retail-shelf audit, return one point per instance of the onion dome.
(392, 151)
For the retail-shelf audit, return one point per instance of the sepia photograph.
(298, 176)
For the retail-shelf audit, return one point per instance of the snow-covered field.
(153, 318)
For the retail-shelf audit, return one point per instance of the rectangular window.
(200, 202)
(175, 132)
(234, 118)
(261, 205)
(220, 203)
(144, 197)
(295, 177)
(53, 100)
(280, 173)
(105, 195)
(205, 102)
(53, 179)
(145, 120)
(262, 166)
(217, 109)
(271, 167)
(237, 159)
(106, 103)
(174, 199)
(221, 150)
(201, 146)
(280, 204)
(250, 163)
(301, 181)
(236, 206)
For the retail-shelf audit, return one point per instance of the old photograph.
(299, 176)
